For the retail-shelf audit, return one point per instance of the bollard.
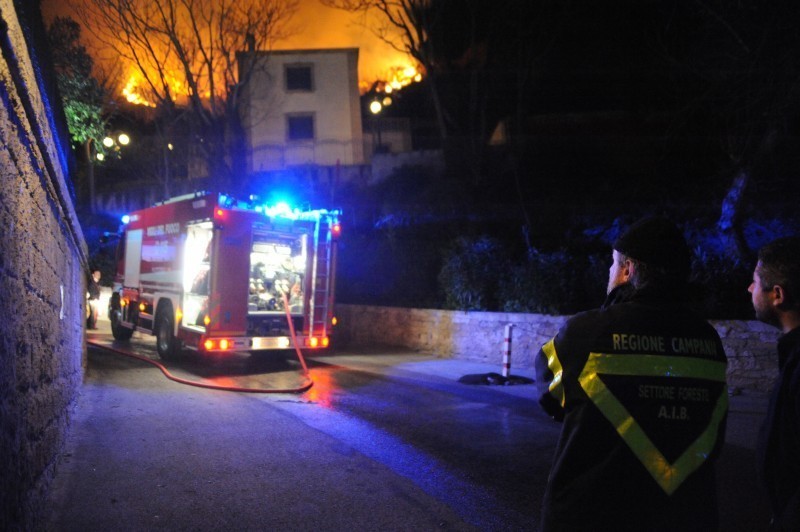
(507, 350)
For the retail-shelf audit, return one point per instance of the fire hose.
(306, 385)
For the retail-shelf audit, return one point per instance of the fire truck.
(209, 273)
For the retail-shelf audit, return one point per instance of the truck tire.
(167, 345)
(115, 317)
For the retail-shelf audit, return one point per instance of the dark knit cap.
(657, 242)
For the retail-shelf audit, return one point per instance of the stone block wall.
(478, 336)
(43, 263)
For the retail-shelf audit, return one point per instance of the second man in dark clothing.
(775, 294)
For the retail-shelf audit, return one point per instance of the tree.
(83, 97)
(407, 26)
(185, 53)
(738, 76)
(478, 56)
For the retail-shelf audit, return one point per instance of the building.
(301, 108)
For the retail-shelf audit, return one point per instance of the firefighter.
(639, 385)
(93, 299)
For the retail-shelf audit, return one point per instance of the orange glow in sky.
(313, 26)
(319, 26)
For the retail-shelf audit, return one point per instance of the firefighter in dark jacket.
(776, 299)
(93, 299)
(640, 387)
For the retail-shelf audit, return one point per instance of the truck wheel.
(167, 345)
(115, 316)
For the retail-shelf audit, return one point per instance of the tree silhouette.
(83, 96)
(185, 53)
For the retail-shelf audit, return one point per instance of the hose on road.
(305, 386)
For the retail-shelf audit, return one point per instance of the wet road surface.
(384, 440)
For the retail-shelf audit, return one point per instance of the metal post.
(507, 350)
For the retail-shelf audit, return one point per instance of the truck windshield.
(277, 273)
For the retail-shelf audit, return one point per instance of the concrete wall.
(42, 283)
(478, 336)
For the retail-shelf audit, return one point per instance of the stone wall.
(42, 279)
(478, 336)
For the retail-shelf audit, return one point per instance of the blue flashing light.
(126, 219)
(282, 210)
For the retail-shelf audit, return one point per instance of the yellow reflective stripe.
(668, 476)
(656, 366)
(556, 386)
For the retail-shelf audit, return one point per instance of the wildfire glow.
(131, 92)
(135, 94)
(315, 26)
(397, 78)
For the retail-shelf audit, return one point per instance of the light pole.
(168, 147)
(90, 171)
(375, 108)
(121, 139)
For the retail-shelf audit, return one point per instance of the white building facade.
(302, 108)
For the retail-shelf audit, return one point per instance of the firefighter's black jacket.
(779, 444)
(640, 387)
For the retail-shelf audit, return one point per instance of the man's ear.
(778, 295)
(628, 269)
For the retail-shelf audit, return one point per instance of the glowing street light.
(91, 149)
(122, 139)
(375, 108)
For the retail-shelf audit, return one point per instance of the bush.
(478, 274)
(390, 266)
(472, 273)
(485, 266)
(558, 282)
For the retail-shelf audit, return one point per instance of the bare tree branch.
(185, 51)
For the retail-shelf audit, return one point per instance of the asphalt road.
(382, 441)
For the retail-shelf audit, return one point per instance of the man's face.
(96, 275)
(618, 273)
(763, 298)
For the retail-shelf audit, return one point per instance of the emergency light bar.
(279, 210)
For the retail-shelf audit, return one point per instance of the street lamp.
(122, 139)
(375, 108)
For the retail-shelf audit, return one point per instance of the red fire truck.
(209, 273)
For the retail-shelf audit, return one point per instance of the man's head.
(652, 251)
(776, 283)
(96, 275)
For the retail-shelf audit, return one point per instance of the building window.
(300, 127)
(299, 78)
